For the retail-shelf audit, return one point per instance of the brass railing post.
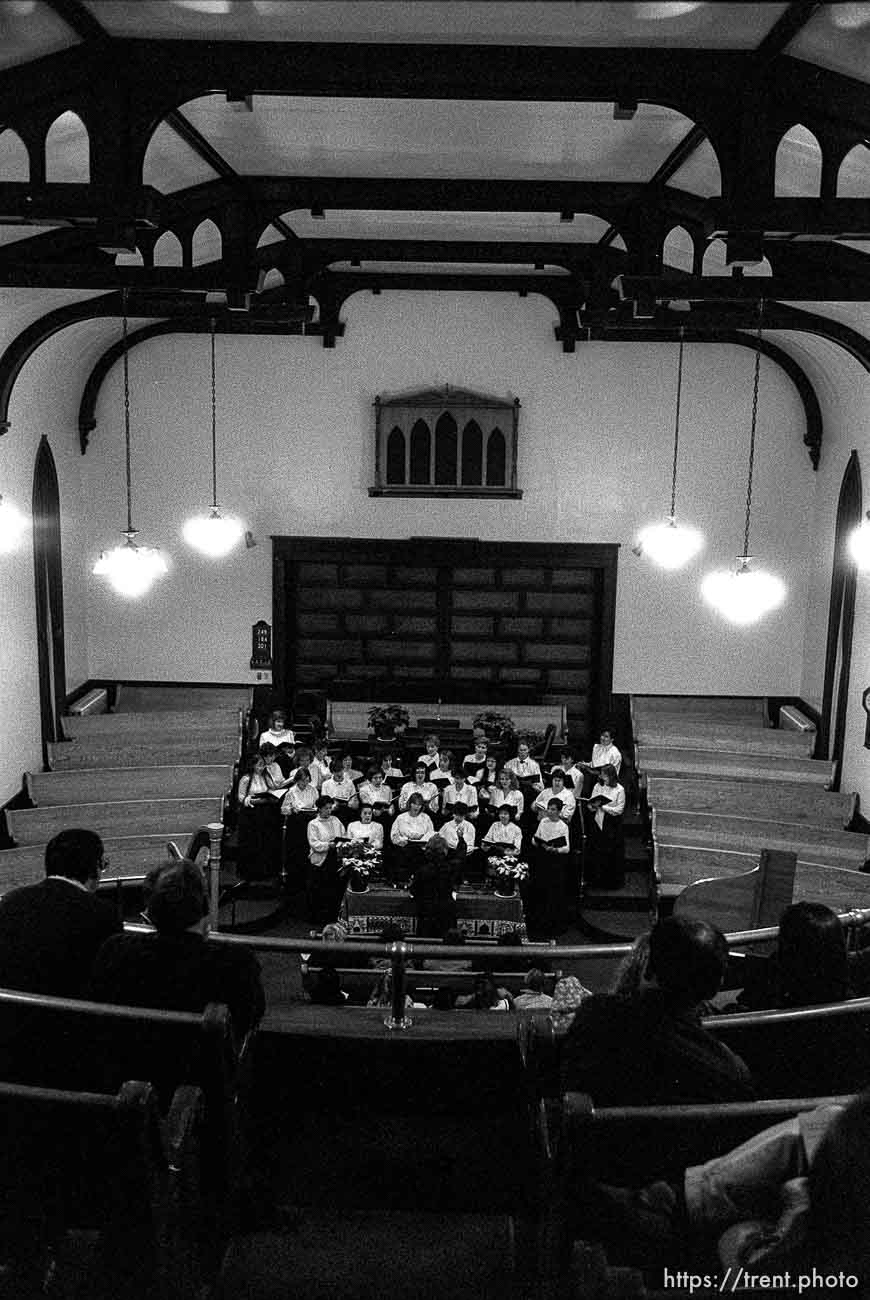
(397, 1019)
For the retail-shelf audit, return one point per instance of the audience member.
(652, 1048)
(487, 996)
(323, 984)
(532, 996)
(50, 932)
(177, 968)
(454, 938)
(810, 966)
(628, 980)
(568, 997)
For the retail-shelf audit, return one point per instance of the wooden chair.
(99, 1198)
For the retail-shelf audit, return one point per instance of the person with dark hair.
(460, 836)
(50, 932)
(277, 732)
(259, 820)
(652, 1049)
(176, 968)
(326, 884)
(409, 833)
(533, 995)
(604, 854)
(375, 792)
(810, 966)
(433, 889)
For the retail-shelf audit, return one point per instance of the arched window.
(68, 150)
(167, 250)
(207, 245)
(420, 446)
(472, 453)
(14, 159)
(446, 441)
(798, 164)
(396, 456)
(495, 459)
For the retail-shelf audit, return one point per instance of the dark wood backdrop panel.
(428, 619)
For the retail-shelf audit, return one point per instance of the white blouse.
(515, 797)
(373, 832)
(407, 828)
(615, 794)
(427, 792)
(298, 800)
(337, 788)
(322, 834)
(603, 754)
(451, 833)
(569, 803)
(548, 830)
(511, 835)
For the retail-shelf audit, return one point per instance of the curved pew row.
(165, 817)
(222, 722)
(658, 760)
(817, 844)
(678, 733)
(728, 709)
(679, 867)
(81, 785)
(115, 752)
(767, 800)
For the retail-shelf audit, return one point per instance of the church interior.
(588, 283)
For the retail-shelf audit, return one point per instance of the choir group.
(298, 806)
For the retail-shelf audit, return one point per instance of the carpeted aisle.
(356, 1255)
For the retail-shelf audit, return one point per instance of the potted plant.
(499, 727)
(386, 720)
(507, 872)
(359, 860)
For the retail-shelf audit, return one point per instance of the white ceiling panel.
(685, 25)
(172, 165)
(495, 227)
(837, 37)
(425, 138)
(700, 173)
(30, 29)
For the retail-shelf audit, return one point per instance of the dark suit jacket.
(179, 973)
(647, 1051)
(49, 936)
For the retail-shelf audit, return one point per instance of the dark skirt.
(259, 840)
(544, 892)
(296, 847)
(326, 886)
(604, 854)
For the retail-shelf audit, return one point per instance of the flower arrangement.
(498, 726)
(360, 857)
(508, 868)
(386, 719)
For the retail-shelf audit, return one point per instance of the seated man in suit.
(51, 932)
(176, 968)
(651, 1049)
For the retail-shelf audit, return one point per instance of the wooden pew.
(678, 733)
(632, 1146)
(766, 799)
(113, 752)
(811, 1050)
(91, 1046)
(218, 722)
(87, 785)
(128, 858)
(99, 1197)
(358, 981)
(680, 866)
(713, 708)
(170, 818)
(663, 761)
(747, 834)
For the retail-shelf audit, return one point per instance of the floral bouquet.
(360, 857)
(508, 868)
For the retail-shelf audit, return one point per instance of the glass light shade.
(859, 543)
(213, 534)
(130, 569)
(13, 525)
(669, 545)
(743, 596)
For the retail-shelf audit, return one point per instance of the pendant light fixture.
(214, 534)
(671, 545)
(13, 525)
(744, 595)
(130, 569)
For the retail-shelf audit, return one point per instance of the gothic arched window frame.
(462, 406)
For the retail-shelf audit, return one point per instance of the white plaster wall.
(843, 387)
(42, 404)
(295, 429)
